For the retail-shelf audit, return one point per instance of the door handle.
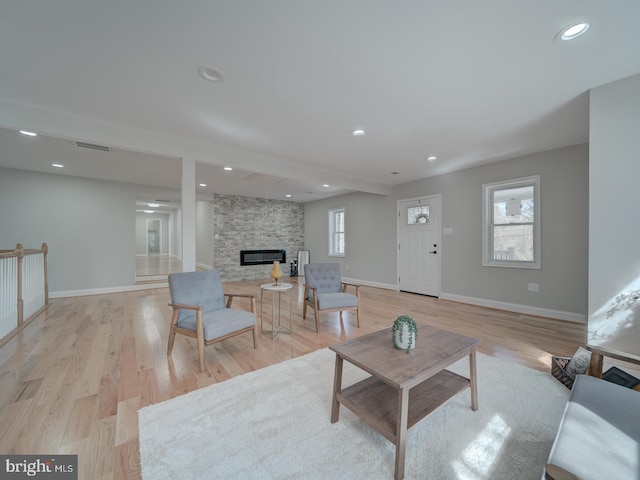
(435, 251)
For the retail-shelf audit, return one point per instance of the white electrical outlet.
(534, 287)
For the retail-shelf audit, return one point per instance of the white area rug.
(275, 424)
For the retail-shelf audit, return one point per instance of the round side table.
(276, 290)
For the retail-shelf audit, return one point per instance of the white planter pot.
(404, 344)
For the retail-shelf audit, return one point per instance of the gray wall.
(204, 234)
(370, 241)
(175, 233)
(245, 223)
(372, 238)
(614, 259)
(89, 226)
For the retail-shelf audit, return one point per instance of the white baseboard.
(386, 286)
(513, 307)
(204, 266)
(151, 278)
(103, 291)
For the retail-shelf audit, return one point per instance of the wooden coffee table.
(403, 387)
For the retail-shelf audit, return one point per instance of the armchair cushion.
(336, 300)
(197, 288)
(599, 432)
(219, 323)
(325, 277)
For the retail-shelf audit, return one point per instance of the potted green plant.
(404, 332)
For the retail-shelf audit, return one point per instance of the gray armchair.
(199, 311)
(324, 291)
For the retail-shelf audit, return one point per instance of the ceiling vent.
(163, 201)
(93, 146)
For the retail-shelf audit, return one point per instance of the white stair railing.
(24, 291)
(8, 294)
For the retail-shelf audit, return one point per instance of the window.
(418, 215)
(336, 232)
(511, 223)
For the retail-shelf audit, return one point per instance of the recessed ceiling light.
(211, 74)
(228, 169)
(358, 132)
(153, 205)
(288, 195)
(573, 31)
(148, 211)
(432, 158)
(326, 185)
(28, 133)
(393, 173)
(57, 165)
(203, 184)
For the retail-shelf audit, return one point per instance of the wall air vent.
(163, 201)
(93, 146)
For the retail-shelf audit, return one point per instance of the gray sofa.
(599, 434)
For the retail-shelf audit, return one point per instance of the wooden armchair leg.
(201, 353)
(358, 316)
(172, 332)
(255, 345)
(304, 310)
(172, 337)
(316, 316)
(200, 338)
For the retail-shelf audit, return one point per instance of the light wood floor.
(73, 381)
(157, 265)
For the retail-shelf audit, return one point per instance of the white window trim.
(331, 232)
(487, 205)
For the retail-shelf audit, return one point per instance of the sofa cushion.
(599, 434)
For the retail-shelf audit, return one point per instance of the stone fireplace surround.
(248, 223)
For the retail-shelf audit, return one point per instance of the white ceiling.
(471, 82)
(148, 171)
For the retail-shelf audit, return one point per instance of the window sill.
(507, 264)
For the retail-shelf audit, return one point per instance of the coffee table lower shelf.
(377, 403)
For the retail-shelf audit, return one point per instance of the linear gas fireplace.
(262, 257)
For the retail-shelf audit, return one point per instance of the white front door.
(419, 245)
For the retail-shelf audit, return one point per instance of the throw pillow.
(579, 363)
